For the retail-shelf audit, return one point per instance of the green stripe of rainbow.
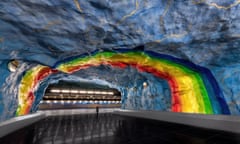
(188, 90)
(28, 85)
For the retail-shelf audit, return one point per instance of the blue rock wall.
(9, 88)
(206, 33)
(5, 73)
(155, 96)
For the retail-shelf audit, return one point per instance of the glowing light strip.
(79, 102)
(81, 91)
(186, 80)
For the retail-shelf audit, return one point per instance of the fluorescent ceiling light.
(110, 93)
(74, 91)
(55, 90)
(104, 92)
(65, 91)
(90, 92)
(97, 92)
(82, 91)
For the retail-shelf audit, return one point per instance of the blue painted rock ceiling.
(205, 32)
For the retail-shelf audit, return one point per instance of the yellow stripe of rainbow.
(188, 90)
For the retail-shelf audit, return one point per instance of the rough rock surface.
(206, 32)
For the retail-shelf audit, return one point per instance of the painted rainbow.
(193, 88)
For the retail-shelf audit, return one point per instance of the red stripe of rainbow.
(188, 90)
(28, 84)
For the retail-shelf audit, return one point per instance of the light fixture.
(13, 65)
(65, 91)
(55, 90)
(97, 92)
(144, 84)
(110, 93)
(74, 91)
(82, 92)
(90, 92)
(104, 92)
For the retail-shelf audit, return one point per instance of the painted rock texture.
(46, 32)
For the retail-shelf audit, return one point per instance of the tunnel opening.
(193, 88)
(73, 95)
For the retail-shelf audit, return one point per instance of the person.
(97, 110)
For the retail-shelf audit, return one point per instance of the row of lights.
(79, 102)
(81, 91)
(81, 97)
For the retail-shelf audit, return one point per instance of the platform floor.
(113, 129)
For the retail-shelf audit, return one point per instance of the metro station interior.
(114, 72)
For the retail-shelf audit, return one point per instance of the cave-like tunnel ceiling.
(187, 52)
